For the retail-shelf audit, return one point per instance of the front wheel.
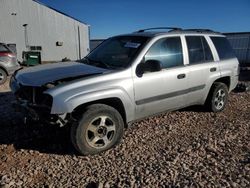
(100, 128)
(218, 97)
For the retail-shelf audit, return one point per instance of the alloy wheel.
(219, 99)
(100, 132)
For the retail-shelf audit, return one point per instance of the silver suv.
(126, 78)
(8, 62)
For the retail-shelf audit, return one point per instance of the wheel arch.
(225, 80)
(213, 93)
(1, 67)
(114, 102)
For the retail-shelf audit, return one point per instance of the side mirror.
(148, 66)
(152, 66)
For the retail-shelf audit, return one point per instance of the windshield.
(117, 52)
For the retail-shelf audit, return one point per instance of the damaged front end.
(35, 104)
(30, 86)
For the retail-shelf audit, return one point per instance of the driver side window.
(168, 51)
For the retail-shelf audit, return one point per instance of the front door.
(166, 89)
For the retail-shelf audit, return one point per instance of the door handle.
(213, 69)
(181, 76)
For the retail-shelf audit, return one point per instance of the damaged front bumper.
(23, 108)
(35, 104)
(38, 113)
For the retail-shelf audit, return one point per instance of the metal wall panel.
(44, 28)
(240, 43)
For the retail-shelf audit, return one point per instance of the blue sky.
(112, 17)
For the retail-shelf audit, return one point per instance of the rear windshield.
(4, 48)
(223, 48)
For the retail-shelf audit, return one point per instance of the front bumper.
(30, 102)
(35, 113)
(34, 103)
(23, 107)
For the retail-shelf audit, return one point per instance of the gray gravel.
(187, 148)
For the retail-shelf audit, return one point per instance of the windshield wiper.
(98, 62)
(85, 60)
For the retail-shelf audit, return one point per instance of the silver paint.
(126, 86)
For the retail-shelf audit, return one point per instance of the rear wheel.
(100, 128)
(218, 97)
(3, 76)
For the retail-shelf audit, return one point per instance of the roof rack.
(201, 30)
(159, 28)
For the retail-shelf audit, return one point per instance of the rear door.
(202, 68)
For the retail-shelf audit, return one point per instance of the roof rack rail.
(201, 30)
(159, 28)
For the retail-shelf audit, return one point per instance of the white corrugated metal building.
(34, 26)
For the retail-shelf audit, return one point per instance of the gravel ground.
(187, 148)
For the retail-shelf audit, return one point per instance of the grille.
(34, 95)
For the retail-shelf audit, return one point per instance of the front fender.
(63, 105)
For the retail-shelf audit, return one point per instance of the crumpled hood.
(42, 74)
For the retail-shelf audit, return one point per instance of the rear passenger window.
(198, 50)
(223, 47)
(168, 51)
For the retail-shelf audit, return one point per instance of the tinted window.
(223, 47)
(207, 51)
(168, 51)
(198, 50)
(3, 48)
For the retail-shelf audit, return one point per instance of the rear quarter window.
(223, 47)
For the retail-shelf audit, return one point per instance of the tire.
(3, 76)
(100, 128)
(218, 97)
